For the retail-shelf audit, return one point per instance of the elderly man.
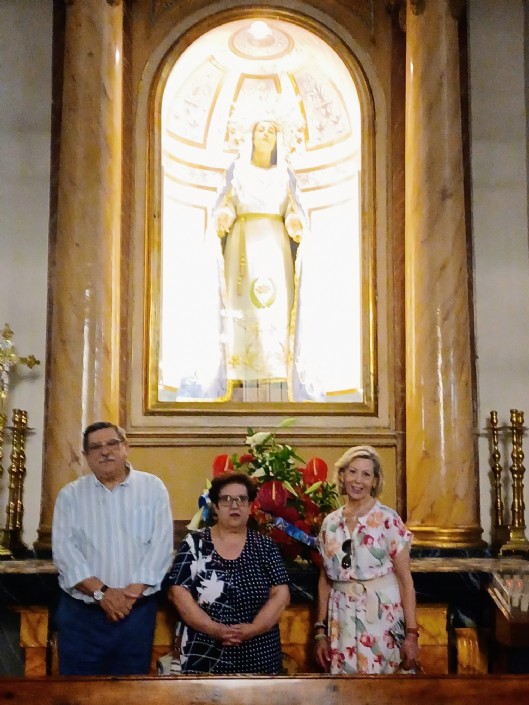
(112, 543)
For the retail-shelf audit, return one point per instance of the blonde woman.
(366, 619)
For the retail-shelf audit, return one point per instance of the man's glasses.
(112, 444)
(226, 500)
(347, 549)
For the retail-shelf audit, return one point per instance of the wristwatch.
(99, 594)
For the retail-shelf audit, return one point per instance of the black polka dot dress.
(230, 592)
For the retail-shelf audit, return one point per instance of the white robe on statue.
(258, 270)
(250, 316)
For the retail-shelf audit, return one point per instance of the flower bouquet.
(293, 495)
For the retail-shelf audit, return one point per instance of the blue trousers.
(89, 645)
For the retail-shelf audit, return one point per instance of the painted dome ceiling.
(246, 71)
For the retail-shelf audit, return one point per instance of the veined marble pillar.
(441, 472)
(82, 375)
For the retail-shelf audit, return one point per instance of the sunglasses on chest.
(347, 548)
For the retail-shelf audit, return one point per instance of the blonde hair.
(367, 452)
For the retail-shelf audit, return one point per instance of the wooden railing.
(298, 690)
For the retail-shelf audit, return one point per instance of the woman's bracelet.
(320, 625)
(317, 637)
(412, 630)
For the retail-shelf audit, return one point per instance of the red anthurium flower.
(272, 495)
(288, 513)
(246, 458)
(316, 471)
(222, 463)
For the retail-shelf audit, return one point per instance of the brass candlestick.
(517, 542)
(4, 552)
(10, 537)
(11, 540)
(3, 421)
(500, 532)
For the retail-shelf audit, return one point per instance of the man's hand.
(117, 604)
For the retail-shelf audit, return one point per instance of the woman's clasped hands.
(235, 634)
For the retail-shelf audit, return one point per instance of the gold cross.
(9, 360)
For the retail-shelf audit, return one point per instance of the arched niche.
(175, 165)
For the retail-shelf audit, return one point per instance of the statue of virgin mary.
(259, 222)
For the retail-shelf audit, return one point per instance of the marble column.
(441, 470)
(82, 375)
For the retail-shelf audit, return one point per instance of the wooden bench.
(294, 690)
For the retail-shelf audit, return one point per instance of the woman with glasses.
(366, 620)
(230, 586)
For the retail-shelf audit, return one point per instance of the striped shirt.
(122, 537)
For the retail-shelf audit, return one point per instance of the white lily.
(257, 439)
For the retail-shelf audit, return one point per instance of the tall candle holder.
(11, 536)
(517, 541)
(4, 552)
(3, 421)
(500, 531)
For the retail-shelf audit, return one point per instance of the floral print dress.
(360, 643)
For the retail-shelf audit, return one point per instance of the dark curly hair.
(227, 478)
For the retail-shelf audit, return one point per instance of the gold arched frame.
(201, 419)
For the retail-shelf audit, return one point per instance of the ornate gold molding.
(441, 537)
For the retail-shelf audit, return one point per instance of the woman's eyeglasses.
(226, 500)
(347, 549)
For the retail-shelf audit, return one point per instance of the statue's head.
(264, 139)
